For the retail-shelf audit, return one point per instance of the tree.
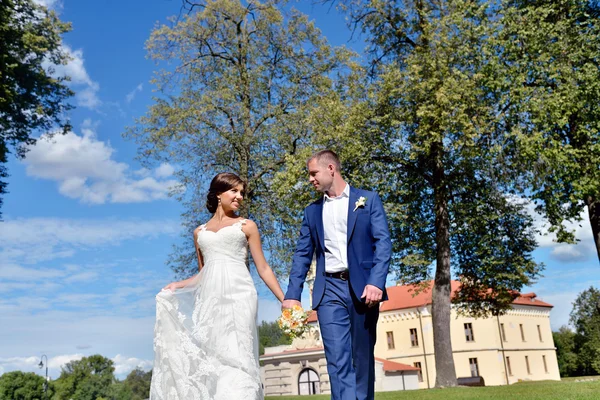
(585, 316)
(566, 355)
(551, 61)
(17, 385)
(30, 98)
(269, 334)
(138, 382)
(425, 134)
(90, 378)
(241, 81)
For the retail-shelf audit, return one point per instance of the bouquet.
(293, 321)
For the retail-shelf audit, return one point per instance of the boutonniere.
(361, 202)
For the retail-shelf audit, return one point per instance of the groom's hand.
(372, 295)
(290, 303)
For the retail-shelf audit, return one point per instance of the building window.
(308, 382)
(522, 332)
(414, 339)
(545, 365)
(503, 332)
(508, 366)
(527, 364)
(420, 373)
(390, 340)
(540, 333)
(474, 367)
(469, 332)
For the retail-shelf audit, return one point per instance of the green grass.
(569, 388)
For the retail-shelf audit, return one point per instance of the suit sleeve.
(382, 244)
(301, 262)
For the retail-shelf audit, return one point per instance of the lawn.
(573, 388)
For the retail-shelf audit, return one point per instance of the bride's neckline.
(238, 222)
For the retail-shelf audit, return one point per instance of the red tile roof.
(401, 297)
(529, 299)
(391, 366)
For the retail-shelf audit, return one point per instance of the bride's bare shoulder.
(249, 225)
(198, 229)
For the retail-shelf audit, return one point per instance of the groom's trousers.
(348, 328)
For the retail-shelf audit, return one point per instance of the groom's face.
(320, 175)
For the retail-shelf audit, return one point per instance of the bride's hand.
(172, 286)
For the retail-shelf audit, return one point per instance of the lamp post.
(41, 365)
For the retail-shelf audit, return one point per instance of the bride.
(205, 337)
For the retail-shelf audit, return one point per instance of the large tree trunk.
(441, 307)
(594, 214)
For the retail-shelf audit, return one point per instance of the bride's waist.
(224, 260)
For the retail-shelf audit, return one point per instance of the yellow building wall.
(487, 347)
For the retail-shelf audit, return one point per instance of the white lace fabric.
(205, 337)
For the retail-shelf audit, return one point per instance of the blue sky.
(87, 230)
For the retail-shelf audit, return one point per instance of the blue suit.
(348, 326)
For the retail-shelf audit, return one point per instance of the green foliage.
(578, 352)
(241, 80)
(549, 59)
(427, 134)
(269, 335)
(585, 316)
(30, 99)
(87, 379)
(138, 384)
(566, 355)
(17, 385)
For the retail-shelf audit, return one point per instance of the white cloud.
(84, 169)
(60, 238)
(164, 170)
(563, 252)
(12, 271)
(124, 365)
(62, 334)
(85, 88)
(31, 363)
(82, 277)
(131, 95)
(51, 4)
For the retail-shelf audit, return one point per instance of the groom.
(347, 230)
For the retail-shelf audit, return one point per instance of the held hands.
(372, 295)
(289, 304)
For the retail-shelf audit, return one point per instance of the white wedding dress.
(205, 337)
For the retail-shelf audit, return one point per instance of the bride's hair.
(221, 183)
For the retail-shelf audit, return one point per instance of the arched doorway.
(308, 382)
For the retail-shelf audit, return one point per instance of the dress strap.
(202, 227)
(241, 222)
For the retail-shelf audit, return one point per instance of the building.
(517, 346)
(287, 370)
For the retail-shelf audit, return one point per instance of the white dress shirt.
(335, 227)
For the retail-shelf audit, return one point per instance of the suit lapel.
(351, 214)
(319, 222)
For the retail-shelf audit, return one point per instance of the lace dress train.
(205, 337)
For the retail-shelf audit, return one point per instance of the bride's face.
(231, 200)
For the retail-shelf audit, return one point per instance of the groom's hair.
(327, 157)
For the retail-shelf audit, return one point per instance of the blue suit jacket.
(369, 247)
